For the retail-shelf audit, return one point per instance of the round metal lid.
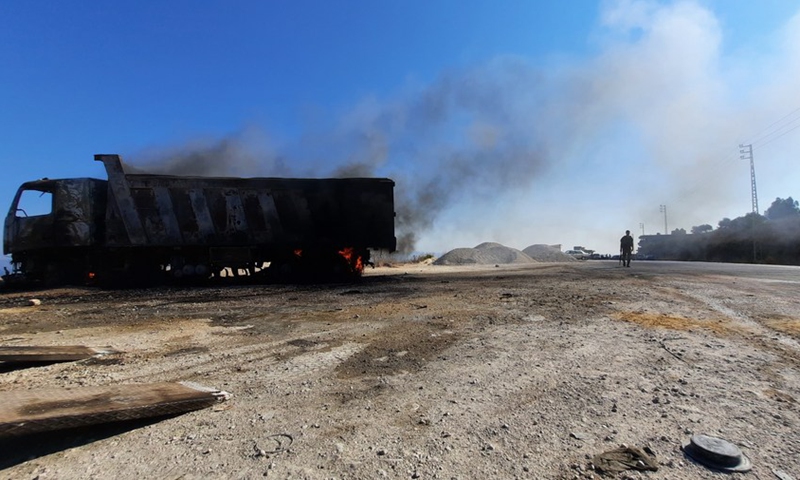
(716, 453)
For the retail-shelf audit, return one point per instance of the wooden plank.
(59, 353)
(32, 411)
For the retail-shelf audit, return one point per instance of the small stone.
(34, 302)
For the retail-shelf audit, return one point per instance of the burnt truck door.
(50, 215)
(29, 223)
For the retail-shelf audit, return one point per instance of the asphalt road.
(782, 273)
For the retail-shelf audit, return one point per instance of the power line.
(779, 136)
(761, 135)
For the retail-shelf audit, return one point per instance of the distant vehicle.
(579, 254)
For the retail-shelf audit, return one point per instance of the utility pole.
(746, 153)
(641, 225)
(663, 209)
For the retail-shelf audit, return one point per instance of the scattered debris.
(49, 354)
(578, 435)
(624, 458)
(676, 356)
(716, 453)
(782, 475)
(282, 440)
(32, 411)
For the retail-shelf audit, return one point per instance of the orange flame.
(298, 252)
(355, 260)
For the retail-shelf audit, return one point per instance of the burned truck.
(138, 228)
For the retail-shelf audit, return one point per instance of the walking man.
(626, 248)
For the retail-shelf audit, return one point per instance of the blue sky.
(519, 122)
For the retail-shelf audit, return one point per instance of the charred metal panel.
(166, 211)
(255, 219)
(295, 215)
(185, 217)
(146, 204)
(236, 228)
(218, 207)
(9, 231)
(205, 225)
(272, 223)
(120, 195)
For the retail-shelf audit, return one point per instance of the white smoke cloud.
(654, 118)
(572, 151)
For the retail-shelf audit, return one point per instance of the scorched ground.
(419, 371)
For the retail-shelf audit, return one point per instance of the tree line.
(773, 237)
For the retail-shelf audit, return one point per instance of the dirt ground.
(420, 371)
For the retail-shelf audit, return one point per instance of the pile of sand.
(487, 253)
(491, 253)
(547, 253)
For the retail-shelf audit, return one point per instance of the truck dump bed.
(272, 213)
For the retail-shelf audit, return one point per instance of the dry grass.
(658, 320)
(787, 325)
(779, 396)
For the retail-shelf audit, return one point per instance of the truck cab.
(48, 216)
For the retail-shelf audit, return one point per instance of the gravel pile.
(487, 253)
(546, 253)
